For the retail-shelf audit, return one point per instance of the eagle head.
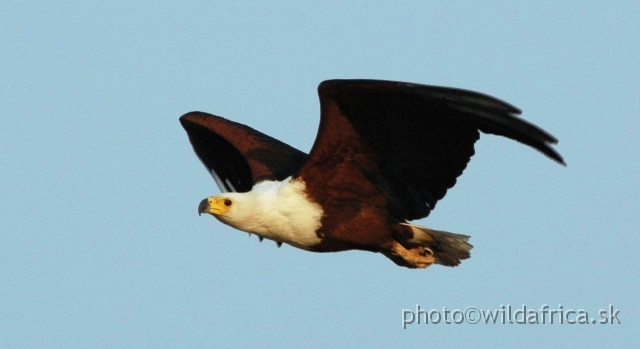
(234, 209)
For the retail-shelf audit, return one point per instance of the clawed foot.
(415, 257)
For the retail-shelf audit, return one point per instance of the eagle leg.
(415, 257)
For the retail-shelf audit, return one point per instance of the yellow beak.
(212, 205)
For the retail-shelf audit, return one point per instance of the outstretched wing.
(409, 142)
(236, 155)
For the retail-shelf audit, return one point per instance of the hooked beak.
(204, 207)
(213, 205)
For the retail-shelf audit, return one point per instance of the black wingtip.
(559, 159)
(544, 146)
(555, 156)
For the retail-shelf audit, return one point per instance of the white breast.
(282, 212)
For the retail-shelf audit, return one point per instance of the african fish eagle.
(385, 153)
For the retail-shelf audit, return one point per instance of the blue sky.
(101, 245)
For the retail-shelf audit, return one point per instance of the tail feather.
(448, 248)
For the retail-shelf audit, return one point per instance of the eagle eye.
(227, 202)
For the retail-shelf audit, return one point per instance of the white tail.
(448, 248)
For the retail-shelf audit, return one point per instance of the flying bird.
(386, 152)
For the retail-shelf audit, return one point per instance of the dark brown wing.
(409, 141)
(236, 155)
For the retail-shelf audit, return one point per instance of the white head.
(274, 210)
(234, 209)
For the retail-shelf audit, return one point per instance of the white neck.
(279, 211)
